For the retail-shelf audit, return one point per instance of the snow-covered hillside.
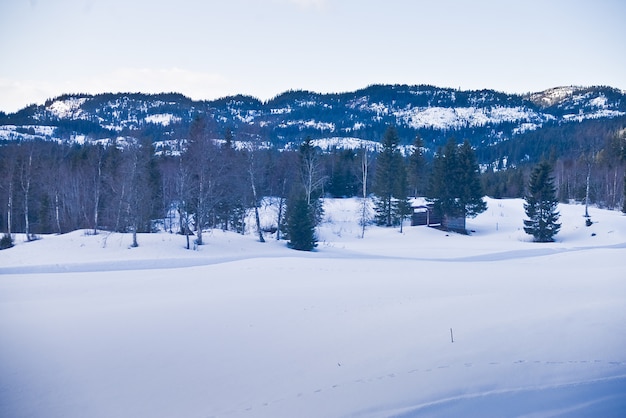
(423, 323)
(484, 116)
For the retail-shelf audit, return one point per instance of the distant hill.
(499, 125)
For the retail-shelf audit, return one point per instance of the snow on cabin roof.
(418, 201)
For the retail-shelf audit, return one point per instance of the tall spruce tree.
(470, 188)
(442, 190)
(541, 205)
(455, 188)
(304, 206)
(300, 223)
(402, 203)
(390, 182)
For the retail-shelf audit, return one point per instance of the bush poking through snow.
(6, 241)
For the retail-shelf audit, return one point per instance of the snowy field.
(418, 324)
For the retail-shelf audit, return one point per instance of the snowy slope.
(360, 327)
(484, 116)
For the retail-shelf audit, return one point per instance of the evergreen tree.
(402, 203)
(455, 188)
(470, 190)
(6, 242)
(390, 181)
(541, 204)
(300, 223)
(343, 177)
(304, 206)
(443, 182)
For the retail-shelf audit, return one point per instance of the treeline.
(49, 187)
(52, 187)
(56, 187)
(588, 159)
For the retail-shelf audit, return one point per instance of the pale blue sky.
(209, 49)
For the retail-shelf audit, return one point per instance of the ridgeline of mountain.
(495, 123)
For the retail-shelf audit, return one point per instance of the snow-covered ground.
(361, 327)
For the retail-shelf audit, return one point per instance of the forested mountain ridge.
(131, 162)
(484, 117)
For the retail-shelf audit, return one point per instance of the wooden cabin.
(423, 214)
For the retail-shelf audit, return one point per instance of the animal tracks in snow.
(428, 371)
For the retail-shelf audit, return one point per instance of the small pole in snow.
(451, 335)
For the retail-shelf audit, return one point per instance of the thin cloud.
(308, 4)
(15, 95)
(197, 85)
